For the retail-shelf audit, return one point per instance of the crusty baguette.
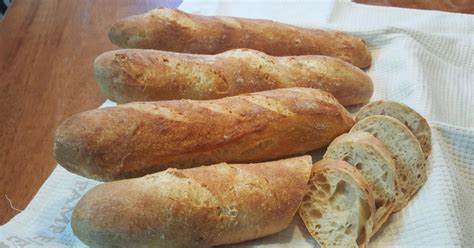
(135, 139)
(177, 31)
(130, 75)
(406, 151)
(338, 208)
(406, 115)
(197, 207)
(375, 162)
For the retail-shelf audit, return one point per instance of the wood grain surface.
(46, 52)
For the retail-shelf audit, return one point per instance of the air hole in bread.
(320, 178)
(318, 226)
(347, 158)
(325, 187)
(403, 177)
(418, 176)
(306, 198)
(365, 210)
(348, 230)
(384, 176)
(340, 188)
(379, 203)
(315, 213)
(320, 194)
(359, 166)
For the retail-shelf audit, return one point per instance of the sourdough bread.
(375, 162)
(338, 209)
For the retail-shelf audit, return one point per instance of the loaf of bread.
(197, 207)
(406, 115)
(177, 31)
(372, 158)
(130, 75)
(136, 139)
(338, 207)
(406, 151)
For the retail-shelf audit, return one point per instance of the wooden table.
(46, 52)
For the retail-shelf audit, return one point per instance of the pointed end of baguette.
(127, 32)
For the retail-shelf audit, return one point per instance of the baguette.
(406, 151)
(198, 207)
(375, 162)
(147, 75)
(177, 31)
(338, 208)
(406, 115)
(136, 139)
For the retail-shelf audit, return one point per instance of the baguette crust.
(177, 31)
(135, 139)
(129, 75)
(198, 207)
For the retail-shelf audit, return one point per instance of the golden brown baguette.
(198, 207)
(177, 31)
(135, 139)
(148, 75)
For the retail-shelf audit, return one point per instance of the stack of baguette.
(192, 150)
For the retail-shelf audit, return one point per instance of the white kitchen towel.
(422, 58)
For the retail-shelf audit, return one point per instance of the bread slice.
(406, 151)
(406, 115)
(375, 163)
(338, 208)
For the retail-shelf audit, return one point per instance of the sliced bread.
(406, 151)
(406, 115)
(375, 163)
(338, 207)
